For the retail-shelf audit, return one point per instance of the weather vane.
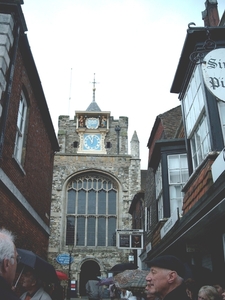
(94, 82)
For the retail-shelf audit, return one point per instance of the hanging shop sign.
(130, 238)
(213, 69)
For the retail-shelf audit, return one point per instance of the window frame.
(167, 148)
(195, 115)
(182, 177)
(200, 142)
(96, 183)
(22, 115)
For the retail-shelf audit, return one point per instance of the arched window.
(91, 211)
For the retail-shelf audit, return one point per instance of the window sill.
(19, 165)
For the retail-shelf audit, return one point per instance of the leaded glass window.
(91, 211)
(178, 176)
(195, 118)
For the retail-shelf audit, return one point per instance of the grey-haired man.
(166, 278)
(8, 265)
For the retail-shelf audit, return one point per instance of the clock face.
(92, 142)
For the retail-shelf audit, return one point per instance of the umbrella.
(61, 275)
(43, 269)
(122, 267)
(131, 279)
(106, 281)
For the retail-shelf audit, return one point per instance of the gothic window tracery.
(91, 210)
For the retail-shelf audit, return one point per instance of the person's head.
(191, 288)
(208, 292)
(219, 287)
(30, 281)
(8, 256)
(166, 273)
(223, 295)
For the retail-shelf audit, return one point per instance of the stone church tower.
(94, 182)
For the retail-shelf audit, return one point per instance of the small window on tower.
(75, 144)
(108, 145)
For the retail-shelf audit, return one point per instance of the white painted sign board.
(213, 69)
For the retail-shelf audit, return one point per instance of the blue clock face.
(92, 142)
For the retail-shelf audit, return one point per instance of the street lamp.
(70, 249)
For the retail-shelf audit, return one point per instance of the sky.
(132, 46)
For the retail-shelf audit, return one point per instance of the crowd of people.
(165, 280)
(31, 285)
(120, 293)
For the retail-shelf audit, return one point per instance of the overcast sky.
(133, 47)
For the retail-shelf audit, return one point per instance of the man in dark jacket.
(165, 279)
(8, 264)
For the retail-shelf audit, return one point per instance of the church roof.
(93, 107)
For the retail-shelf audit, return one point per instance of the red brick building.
(27, 137)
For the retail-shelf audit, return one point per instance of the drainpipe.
(117, 129)
(9, 90)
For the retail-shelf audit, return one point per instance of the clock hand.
(91, 138)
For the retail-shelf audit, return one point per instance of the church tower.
(94, 182)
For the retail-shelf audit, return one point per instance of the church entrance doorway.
(89, 270)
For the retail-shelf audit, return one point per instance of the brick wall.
(25, 190)
(27, 231)
(198, 185)
(35, 183)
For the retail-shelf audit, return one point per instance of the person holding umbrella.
(8, 264)
(45, 270)
(93, 289)
(32, 284)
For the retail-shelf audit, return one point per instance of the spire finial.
(94, 82)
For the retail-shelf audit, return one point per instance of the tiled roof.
(171, 120)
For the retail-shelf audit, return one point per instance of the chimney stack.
(210, 15)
